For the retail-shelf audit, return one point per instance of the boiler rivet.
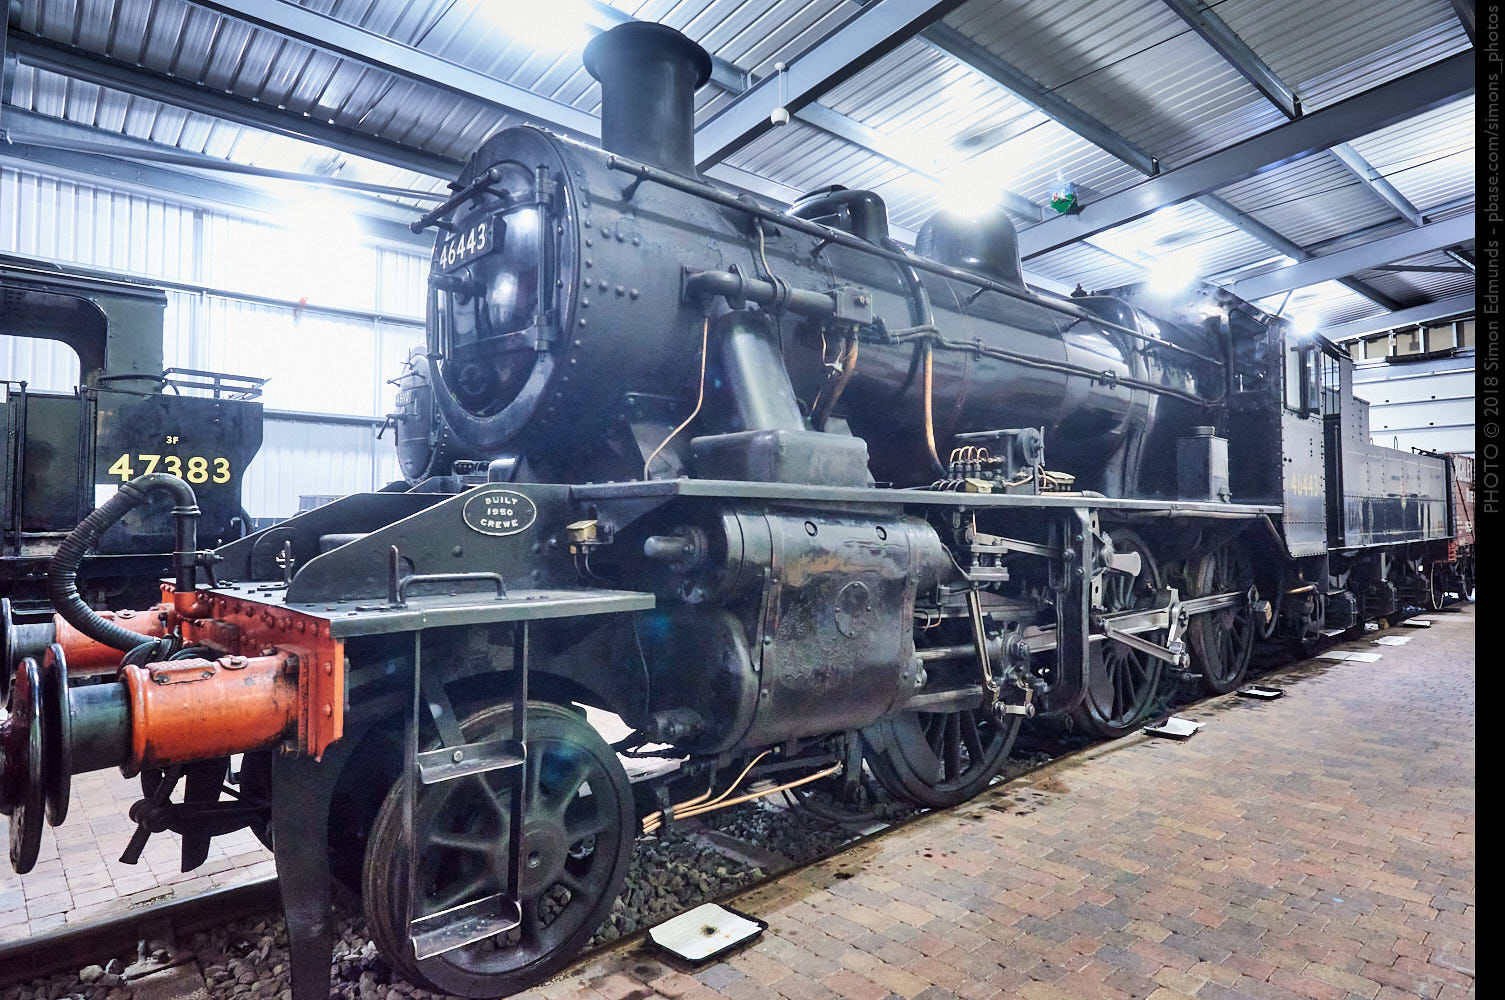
(457, 756)
(621, 290)
(328, 711)
(633, 293)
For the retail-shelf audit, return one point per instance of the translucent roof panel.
(1327, 304)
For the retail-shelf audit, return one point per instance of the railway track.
(229, 943)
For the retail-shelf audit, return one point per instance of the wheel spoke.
(953, 747)
(489, 796)
(971, 735)
(935, 734)
(580, 827)
(561, 797)
(535, 780)
(532, 924)
(1122, 691)
(470, 890)
(473, 843)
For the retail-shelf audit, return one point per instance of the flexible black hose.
(62, 572)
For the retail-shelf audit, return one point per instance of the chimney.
(649, 74)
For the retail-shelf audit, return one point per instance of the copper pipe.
(928, 381)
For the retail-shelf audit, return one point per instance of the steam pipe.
(736, 287)
(62, 572)
(922, 315)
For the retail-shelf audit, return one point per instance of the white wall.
(234, 287)
(1421, 404)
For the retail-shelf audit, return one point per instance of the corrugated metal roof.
(1430, 158)
(1088, 265)
(1328, 304)
(1133, 64)
(1186, 236)
(1421, 285)
(1339, 48)
(1309, 200)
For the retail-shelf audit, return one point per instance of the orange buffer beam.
(253, 629)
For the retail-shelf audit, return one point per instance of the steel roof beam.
(80, 64)
(1425, 268)
(1271, 238)
(370, 49)
(104, 144)
(865, 37)
(118, 75)
(735, 80)
(1388, 249)
(191, 187)
(1462, 258)
(1215, 32)
(952, 42)
(1374, 109)
(957, 45)
(1079, 122)
(1464, 9)
(1456, 305)
(1376, 182)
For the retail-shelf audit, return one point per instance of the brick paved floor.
(79, 877)
(1318, 847)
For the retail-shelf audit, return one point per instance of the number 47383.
(195, 469)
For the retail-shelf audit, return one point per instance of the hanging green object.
(1063, 199)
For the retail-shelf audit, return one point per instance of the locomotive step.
(465, 924)
(449, 763)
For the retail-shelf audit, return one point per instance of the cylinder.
(86, 655)
(649, 74)
(194, 709)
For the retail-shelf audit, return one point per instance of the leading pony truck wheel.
(578, 829)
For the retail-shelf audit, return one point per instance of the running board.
(465, 924)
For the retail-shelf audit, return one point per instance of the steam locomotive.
(791, 502)
(60, 451)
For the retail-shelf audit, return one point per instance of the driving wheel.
(1221, 641)
(1122, 683)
